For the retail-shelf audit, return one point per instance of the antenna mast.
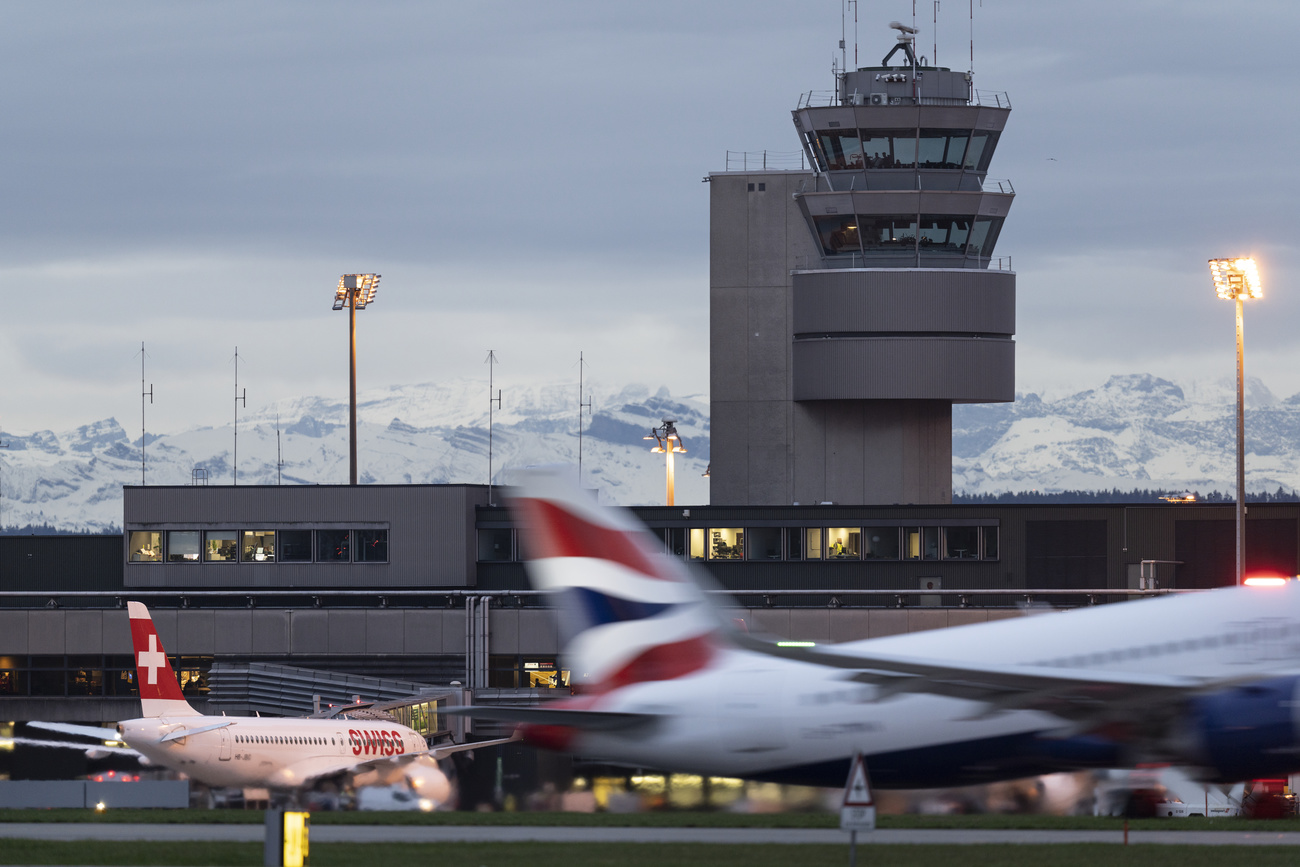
(143, 395)
(935, 34)
(239, 398)
(493, 402)
(581, 407)
(278, 463)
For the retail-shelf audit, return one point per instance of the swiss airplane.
(267, 752)
(1209, 680)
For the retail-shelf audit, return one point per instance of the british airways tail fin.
(629, 612)
(160, 693)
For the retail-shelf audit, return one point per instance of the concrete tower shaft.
(853, 304)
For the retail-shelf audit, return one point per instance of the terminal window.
(371, 546)
(145, 546)
(881, 543)
(183, 546)
(295, 546)
(220, 546)
(843, 543)
(333, 546)
(726, 543)
(259, 546)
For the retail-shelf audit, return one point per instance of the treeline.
(51, 530)
(1115, 495)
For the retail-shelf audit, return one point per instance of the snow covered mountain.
(1136, 431)
(422, 434)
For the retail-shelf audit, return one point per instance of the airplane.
(268, 752)
(1209, 681)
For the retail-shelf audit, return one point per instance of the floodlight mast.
(354, 292)
(668, 442)
(1238, 280)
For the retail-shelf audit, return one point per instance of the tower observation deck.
(853, 304)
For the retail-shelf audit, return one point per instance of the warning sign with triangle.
(858, 811)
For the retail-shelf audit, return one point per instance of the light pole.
(1237, 280)
(354, 292)
(669, 443)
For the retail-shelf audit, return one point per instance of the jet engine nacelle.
(1248, 732)
(427, 780)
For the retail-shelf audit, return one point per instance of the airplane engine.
(1247, 732)
(427, 780)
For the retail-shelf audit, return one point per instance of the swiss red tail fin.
(160, 694)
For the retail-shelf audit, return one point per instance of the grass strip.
(645, 854)
(667, 819)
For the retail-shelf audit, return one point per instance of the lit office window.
(220, 546)
(960, 543)
(182, 546)
(494, 545)
(990, 539)
(333, 546)
(843, 543)
(813, 548)
(726, 543)
(294, 546)
(763, 543)
(258, 546)
(145, 546)
(371, 546)
(881, 543)
(697, 543)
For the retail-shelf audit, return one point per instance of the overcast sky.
(526, 177)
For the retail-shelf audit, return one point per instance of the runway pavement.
(514, 834)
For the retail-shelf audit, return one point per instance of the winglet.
(160, 694)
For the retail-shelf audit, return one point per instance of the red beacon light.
(1266, 581)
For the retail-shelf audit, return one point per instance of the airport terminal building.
(267, 595)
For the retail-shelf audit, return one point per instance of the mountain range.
(1135, 431)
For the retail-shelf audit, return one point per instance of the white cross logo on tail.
(152, 659)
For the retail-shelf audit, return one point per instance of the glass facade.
(903, 235)
(929, 149)
(92, 675)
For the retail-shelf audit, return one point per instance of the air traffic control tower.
(852, 305)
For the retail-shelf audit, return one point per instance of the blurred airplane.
(267, 752)
(1207, 680)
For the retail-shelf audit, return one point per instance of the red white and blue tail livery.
(1208, 680)
(629, 614)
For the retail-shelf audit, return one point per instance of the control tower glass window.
(843, 150)
(888, 233)
(980, 151)
(945, 234)
(942, 149)
(878, 150)
(839, 234)
(983, 236)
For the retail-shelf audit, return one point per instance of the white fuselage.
(753, 715)
(266, 752)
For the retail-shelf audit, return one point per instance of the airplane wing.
(98, 732)
(1084, 696)
(587, 720)
(91, 750)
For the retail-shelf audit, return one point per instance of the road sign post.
(858, 809)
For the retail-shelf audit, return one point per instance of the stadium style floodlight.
(1236, 280)
(354, 292)
(669, 443)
